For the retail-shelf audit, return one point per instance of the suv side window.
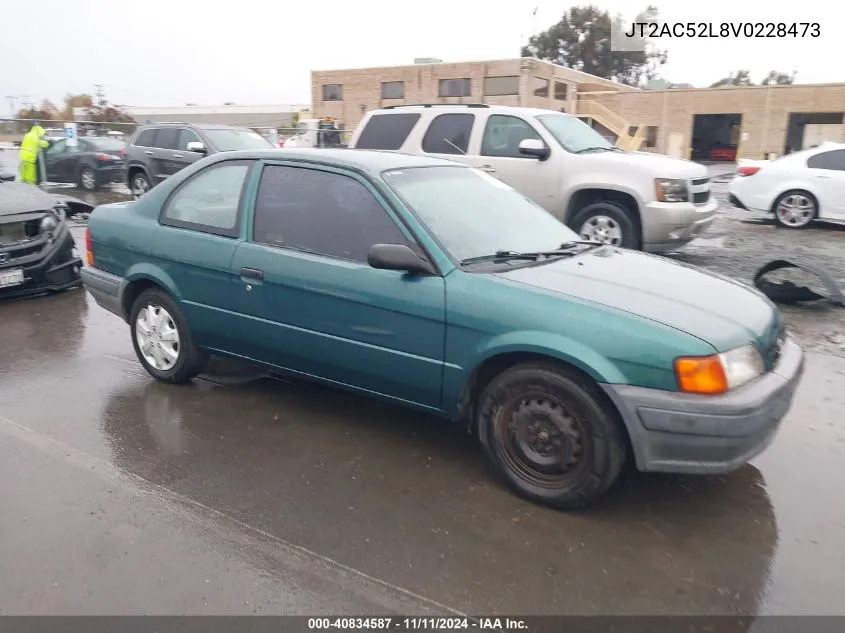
(210, 200)
(167, 138)
(187, 136)
(503, 135)
(320, 212)
(147, 138)
(834, 160)
(448, 134)
(387, 131)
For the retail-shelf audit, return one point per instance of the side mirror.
(398, 257)
(534, 147)
(194, 146)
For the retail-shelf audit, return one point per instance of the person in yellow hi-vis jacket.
(32, 144)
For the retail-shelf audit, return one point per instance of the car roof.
(369, 161)
(201, 126)
(468, 108)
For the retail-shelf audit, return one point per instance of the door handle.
(177, 155)
(149, 153)
(488, 168)
(252, 273)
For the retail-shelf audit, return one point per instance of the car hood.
(18, 198)
(715, 309)
(658, 165)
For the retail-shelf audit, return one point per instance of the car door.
(497, 153)
(309, 302)
(827, 171)
(57, 162)
(201, 224)
(167, 142)
(181, 157)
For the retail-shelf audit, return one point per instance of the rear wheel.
(139, 184)
(87, 179)
(162, 340)
(795, 209)
(550, 435)
(606, 222)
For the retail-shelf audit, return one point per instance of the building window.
(500, 86)
(560, 91)
(649, 135)
(455, 88)
(541, 87)
(333, 92)
(392, 89)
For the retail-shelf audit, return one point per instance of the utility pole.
(25, 102)
(101, 94)
(12, 103)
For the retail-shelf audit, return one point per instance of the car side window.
(448, 134)
(503, 135)
(320, 212)
(210, 200)
(147, 138)
(187, 136)
(167, 138)
(56, 148)
(834, 160)
(387, 131)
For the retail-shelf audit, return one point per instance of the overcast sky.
(172, 52)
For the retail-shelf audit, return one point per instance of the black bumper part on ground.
(736, 202)
(55, 268)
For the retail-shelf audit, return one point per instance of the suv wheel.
(550, 435)
(606, 222)
(162, 340)
(138, 184)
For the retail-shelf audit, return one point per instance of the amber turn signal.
(703, 375)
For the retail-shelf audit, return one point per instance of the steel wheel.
(543, 443)
(157, 337)
(88, 179)
(140, 185)
(795, 210)
(601, 228)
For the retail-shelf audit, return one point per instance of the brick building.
(704, 123)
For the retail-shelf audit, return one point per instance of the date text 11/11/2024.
(647, 30)
(422, 623)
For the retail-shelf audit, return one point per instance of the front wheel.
(606, 222)
(139, 184)
(550, 436)
(162, 340)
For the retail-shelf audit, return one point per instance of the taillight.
(123, 153)
(102, 156)
(747, 171)
(89, 253)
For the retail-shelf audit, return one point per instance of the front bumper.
(58, 269)
(670, 225)
(683, 433)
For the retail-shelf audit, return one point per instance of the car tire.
(139, 184)
(795, 209)
(154, 319)
(550, 435)
(87, 179)
(608, 219)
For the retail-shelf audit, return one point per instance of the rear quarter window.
(387, 131)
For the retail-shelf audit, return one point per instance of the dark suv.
(159, 150)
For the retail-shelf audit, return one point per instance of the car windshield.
(105, 144)
(232, 140)
(473, 214)
(573, 134)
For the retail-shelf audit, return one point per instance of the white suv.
(630, 199)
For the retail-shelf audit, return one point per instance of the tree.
(582, 41)
(76, 101)
(739, 78)
(778, 78)
(45, 112)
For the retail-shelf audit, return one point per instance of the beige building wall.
(362, 87)
(765, 111)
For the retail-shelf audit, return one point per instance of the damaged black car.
(37, 251)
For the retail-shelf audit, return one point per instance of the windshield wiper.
(563, 250)
(596, 149)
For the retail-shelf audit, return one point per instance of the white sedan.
(797, 188)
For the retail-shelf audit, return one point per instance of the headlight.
(48, 223)
(712, 375)
(671, 190)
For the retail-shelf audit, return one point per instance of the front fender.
(552, 346)
(596, 183)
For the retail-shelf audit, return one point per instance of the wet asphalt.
(245, 494)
